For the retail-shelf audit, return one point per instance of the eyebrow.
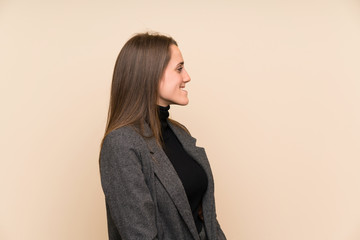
(180, 64)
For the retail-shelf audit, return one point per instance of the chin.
(183, 102)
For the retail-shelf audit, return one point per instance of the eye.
(179, 69)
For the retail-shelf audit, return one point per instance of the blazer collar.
(189, 144)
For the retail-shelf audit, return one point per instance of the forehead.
(176, 56)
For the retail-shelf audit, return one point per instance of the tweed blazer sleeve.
(128, 199)
(220, 233)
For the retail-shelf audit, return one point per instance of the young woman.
(157, 183)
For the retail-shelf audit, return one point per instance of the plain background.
(274, 99)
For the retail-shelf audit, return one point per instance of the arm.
(127, 195)
(220, 233)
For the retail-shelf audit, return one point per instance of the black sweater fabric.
(191, 174)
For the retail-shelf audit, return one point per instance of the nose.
(186, 77)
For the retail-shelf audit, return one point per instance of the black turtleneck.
(191, 174)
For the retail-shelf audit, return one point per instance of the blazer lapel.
(189, 144)
(198, 153)
(167, 175)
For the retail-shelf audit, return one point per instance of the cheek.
(169, 86)
(166, 89)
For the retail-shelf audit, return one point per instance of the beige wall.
(275, 96)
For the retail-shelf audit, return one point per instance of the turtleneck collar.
(163, 115)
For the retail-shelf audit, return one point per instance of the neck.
(163, 115)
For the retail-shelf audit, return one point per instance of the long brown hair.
(134, 90)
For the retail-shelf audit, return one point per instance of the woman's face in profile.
(172, 84)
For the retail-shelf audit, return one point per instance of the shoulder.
(121, 148)
(123, 137)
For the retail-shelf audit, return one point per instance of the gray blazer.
(144, 196)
